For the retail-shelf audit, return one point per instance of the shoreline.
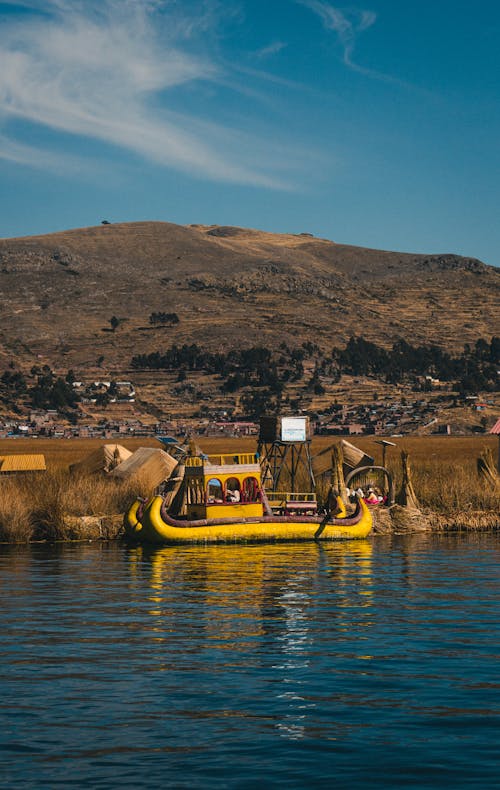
(401, 521)
(57, 505)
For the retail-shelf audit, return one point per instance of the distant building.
(333, 428)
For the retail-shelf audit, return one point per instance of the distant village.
(361, 389)
(391, 415)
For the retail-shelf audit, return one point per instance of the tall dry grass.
(451, 487)
(60, 453)
(44, 506)
(16, 515)
(40, 506)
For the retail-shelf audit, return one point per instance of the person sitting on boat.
(381, 498)
(351, 494)
(232, 495)
(371, 498)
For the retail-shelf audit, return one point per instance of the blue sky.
(375, 124)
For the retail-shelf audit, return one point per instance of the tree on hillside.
(51, 392)
(12, 386)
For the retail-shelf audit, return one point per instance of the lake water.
(373, 664)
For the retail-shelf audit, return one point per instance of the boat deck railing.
(226, 459)
(289, 502)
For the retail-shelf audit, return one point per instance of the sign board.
(293, 429)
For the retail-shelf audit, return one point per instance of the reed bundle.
(406, 496)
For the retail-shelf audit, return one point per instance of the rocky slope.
(229, 287)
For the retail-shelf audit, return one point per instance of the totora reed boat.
(221, 499)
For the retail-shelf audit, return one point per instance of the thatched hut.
(353, 457)
(151, 465)
(103, 459)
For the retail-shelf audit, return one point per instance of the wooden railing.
(292, 502)
(222, 460)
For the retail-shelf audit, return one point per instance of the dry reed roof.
(322, 462)
(353, 456)
(22, 463)
(103, 459)
(152, 465)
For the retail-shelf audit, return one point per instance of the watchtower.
(284, 448)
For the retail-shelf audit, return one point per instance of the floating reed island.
(453, 502)
(436, 490)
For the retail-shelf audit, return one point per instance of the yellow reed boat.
(221, 499)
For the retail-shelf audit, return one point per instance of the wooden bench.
(300, 508)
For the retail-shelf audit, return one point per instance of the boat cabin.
(223, 486)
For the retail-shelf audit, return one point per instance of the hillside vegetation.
(98, 301)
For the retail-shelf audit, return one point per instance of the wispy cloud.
(270, 49)
(104, 69)
(39, 158)
(348, 24)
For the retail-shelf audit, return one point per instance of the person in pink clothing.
(371, 498)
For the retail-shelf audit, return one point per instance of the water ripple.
(369, 664)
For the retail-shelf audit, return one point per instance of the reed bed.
(60, 453)
(451, 488)
(16, 513)
(56, 505)
(59, 506)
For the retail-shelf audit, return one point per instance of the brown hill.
(229, 287)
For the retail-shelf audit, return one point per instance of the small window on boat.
(251, 490)
(214, 491)
(233, 493)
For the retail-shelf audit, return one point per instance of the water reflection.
(266, 583)
(259, 605)
(277, 664)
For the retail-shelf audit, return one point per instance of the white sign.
(293, 429)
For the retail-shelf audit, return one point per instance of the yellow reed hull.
(153, 529)
(131, 522)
